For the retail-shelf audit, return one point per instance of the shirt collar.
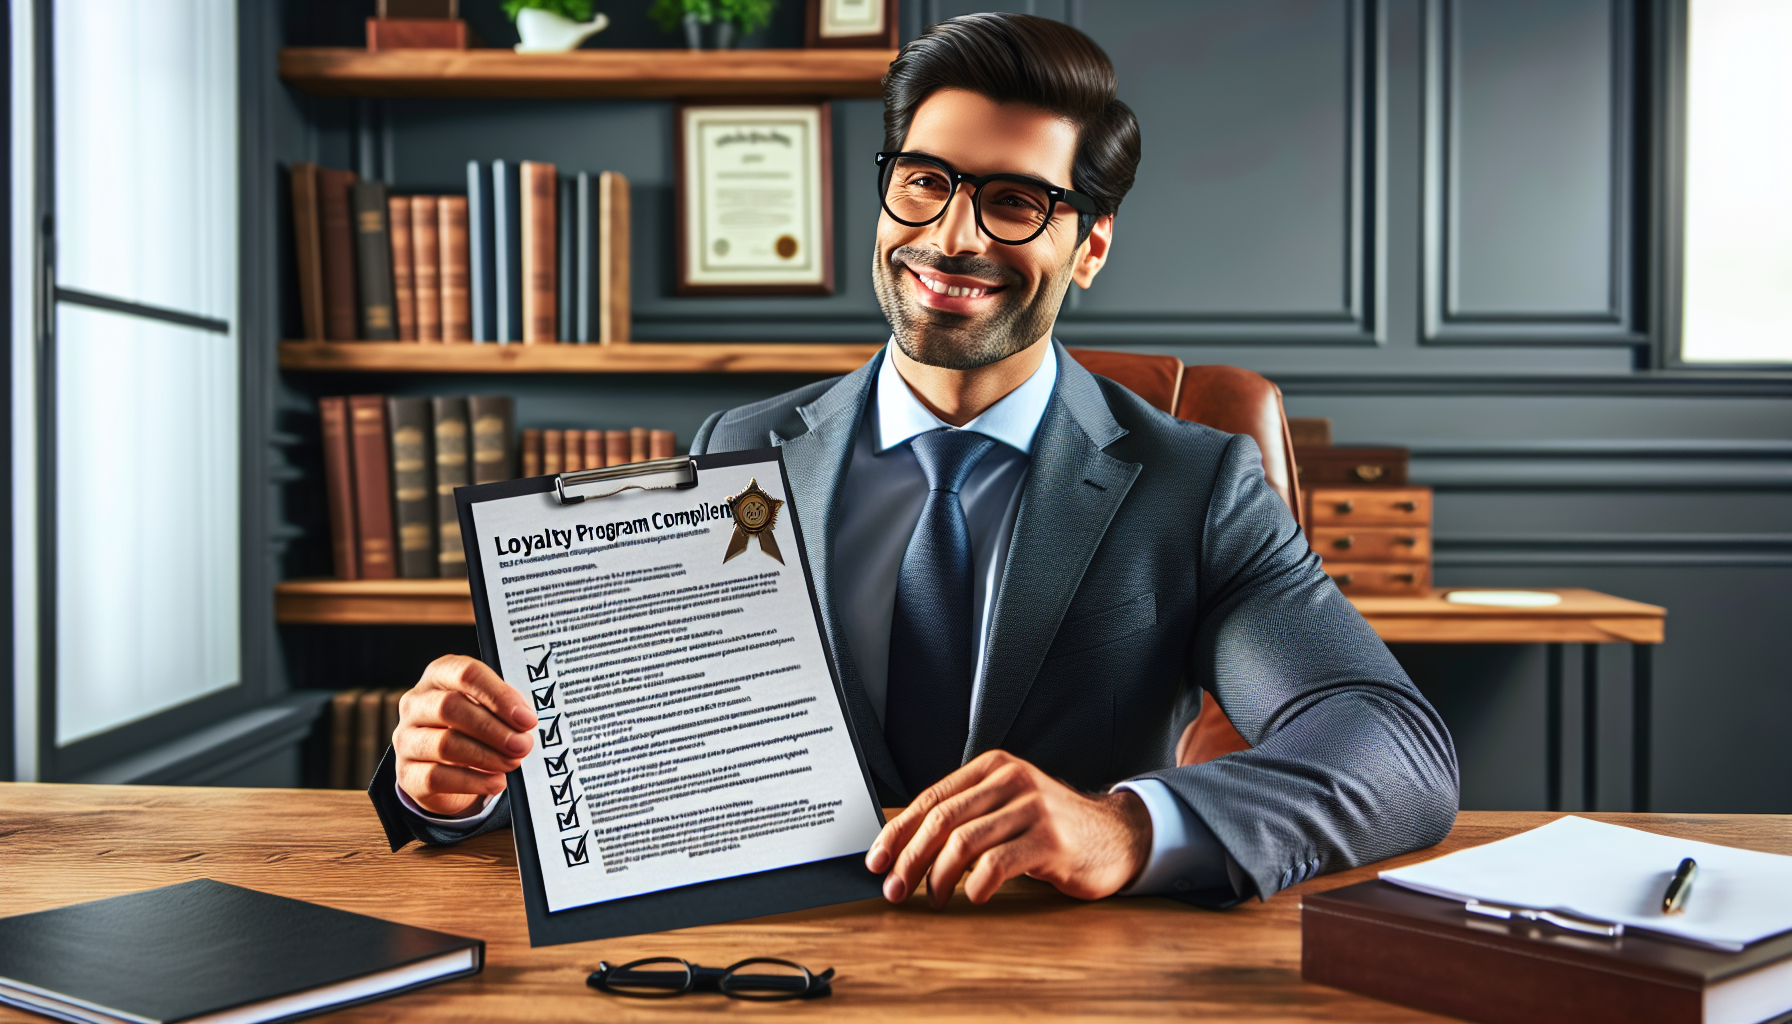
(1013, 420)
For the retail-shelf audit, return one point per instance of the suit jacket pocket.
(1087, 632)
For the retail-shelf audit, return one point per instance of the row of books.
(527, 255)
(361, 724)
(568, 451)
(390, 469)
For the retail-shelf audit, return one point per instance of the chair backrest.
(1153, 378)
(1241, 402)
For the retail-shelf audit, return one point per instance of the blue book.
(479, 252)
(507, 250)
(584, 281)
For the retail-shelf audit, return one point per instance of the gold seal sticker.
(755, 514)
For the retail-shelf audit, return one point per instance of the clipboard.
(798, 887)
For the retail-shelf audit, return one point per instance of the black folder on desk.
(798, 887)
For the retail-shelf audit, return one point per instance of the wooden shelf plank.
(345, 71)
(632, 357)
(1584, 616)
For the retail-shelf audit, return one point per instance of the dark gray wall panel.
(1247, 214)
(1528, 168)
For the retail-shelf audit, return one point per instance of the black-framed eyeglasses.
(1011, 208)
(761, 979)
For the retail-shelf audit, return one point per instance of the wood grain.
(343, 71)
(1031, 952)
(626, 357)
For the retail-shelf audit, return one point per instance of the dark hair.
(1019, 58)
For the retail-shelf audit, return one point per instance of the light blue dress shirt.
(880, 504)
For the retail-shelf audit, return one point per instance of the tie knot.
(947, 456)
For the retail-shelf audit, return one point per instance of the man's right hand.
(459, 730)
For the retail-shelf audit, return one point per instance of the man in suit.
(1027, 575)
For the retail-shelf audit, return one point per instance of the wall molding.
(1646, 464)
(1640, 385)
(1749, 550)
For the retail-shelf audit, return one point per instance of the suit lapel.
(1072, 492)
(816, 462)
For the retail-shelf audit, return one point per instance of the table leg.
(1552, 728)
(1589, 727)
(1642, 697)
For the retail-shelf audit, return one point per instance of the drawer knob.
(1407, 506)
(1368, 472)
(1344, 542)
(1346, 506)
(1404, 577)
(1344, 580)
(1408, 541)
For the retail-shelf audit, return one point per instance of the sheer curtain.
(146, 398)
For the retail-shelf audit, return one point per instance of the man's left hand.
(999, 817)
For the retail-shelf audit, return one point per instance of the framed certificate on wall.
(852, 23)
(755, 199)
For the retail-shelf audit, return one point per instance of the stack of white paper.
(1616, 874)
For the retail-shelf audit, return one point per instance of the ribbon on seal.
(755, 514)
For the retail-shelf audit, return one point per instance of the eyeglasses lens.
(915, 191)
(769, 980)
(655, 978)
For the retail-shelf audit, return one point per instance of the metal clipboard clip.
(676, 473)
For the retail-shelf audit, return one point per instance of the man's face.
(955, 297)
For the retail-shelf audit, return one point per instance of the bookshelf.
(622, 357)
(334, 602)
(621, 74)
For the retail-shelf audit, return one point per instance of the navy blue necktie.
(927, 707)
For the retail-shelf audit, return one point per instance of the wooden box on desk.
(1374, 540)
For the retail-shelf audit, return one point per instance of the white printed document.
(691, 727)
(1618, 875)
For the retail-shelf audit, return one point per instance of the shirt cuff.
(1184, 854)
(465, 823)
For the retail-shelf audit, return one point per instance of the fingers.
(974, 841)
(445, 746)
(447, 789)
(478, 682)
(1000, 863)
(450, 709)
(937, 827)
(898, 831)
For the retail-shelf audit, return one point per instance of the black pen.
(1674, 900)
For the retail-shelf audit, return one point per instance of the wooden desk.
(1584, 617)
(1030, 952)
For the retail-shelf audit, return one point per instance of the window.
(1736, 298)
(135, 368)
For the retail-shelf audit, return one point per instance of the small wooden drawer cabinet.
(1373, 540)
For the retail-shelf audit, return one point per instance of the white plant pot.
(547, 32)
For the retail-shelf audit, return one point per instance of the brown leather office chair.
(1237, 402)
(1156, 379)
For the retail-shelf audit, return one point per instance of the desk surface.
(1030, 952)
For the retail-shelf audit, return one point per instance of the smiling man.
(1027, 575)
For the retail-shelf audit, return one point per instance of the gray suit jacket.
(1149, 561)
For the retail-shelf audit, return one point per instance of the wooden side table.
(1585, 617)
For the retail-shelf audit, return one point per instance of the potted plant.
(728, 16)
(553, 26)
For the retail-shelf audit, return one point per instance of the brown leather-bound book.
(370, 718)
(613, 255)
(594, 449)
(426, 260)
(615, 447)
(540, 186)
(373, 262)
(574, 460)
(339, 486)
(456, 282)
(1429, 953)
(308, 249)
(373, 486)
(637, 444)
(494, 431)
(553, 452)
(413, 486)
(404, 265)
(342, 738)
(662, 444)
(453, 469)
(336, 234)
(531, 453)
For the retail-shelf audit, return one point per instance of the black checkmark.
(561, 793)
(557, 765)
(544, 697)
(539, 671)
(571, 818)
(574, 849)
(550, 736)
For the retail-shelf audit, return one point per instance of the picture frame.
(755, 198)
(851, 24)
